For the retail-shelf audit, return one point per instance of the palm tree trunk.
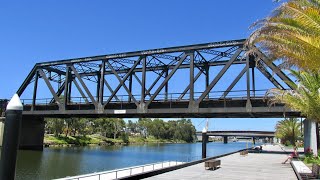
(293, 138)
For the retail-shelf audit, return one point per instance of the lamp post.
(11, 135)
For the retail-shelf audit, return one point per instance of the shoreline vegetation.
(115, 131)
(97, 140)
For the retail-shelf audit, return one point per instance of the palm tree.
(288, 130)
(305, 97)
(291, 34)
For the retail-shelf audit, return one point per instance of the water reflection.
(70, 161)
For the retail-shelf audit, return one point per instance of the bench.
(243, 153)
(212, 164)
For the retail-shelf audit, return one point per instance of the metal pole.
(204, 144)
(11, 138)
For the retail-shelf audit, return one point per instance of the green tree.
(144, 125)
(291, 33)
(55, 126)
(157, 128)
(132, 127)
(110, 127)
(288, 130)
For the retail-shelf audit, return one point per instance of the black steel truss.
(126, 68)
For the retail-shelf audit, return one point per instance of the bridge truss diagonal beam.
(166, 79)
(124, 79)
(220, 74)
(43, 75)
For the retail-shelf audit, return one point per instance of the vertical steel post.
(98, 86)
(70, 88)
(248, 78)
(34, 97)
(253, 82)
(59, 81)
(11, 138)
(130, 86)
(191, 91)
(207, 69)
(101, 86)
(66, 86)
(166, 88)
(143, 83)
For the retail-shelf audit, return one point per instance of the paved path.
(253, 166)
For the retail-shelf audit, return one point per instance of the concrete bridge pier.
(32, 133)
(253, 141)
(1, 129)
(310, 136)
(225, 139)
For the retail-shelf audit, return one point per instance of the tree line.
(179, 130)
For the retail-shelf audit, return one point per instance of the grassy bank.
(50, 140)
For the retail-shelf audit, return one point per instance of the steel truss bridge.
(166, 82)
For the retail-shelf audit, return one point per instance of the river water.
(69, 161)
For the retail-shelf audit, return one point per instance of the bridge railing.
(125, 172)
(170, 97)
(119, 173)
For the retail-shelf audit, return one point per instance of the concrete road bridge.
(217, 80)
(250, 134)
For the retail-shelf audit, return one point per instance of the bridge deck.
(210, 108)
(253, 166)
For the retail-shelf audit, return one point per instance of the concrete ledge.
(299, 167)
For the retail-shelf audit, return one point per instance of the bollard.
(11, 138)
(204, 143)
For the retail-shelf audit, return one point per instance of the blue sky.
(35, 31)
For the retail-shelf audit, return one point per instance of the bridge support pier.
(253, 141)
(204, 144)
(310, 136)
(1, 130)
(225, 139)
(32, 133)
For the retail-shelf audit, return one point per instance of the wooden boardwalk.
(252, 166)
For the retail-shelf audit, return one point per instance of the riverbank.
(97, 140)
